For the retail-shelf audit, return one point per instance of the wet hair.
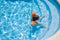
(35, 18)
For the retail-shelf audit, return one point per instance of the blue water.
(15, 19)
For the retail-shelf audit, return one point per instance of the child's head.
(33, 14)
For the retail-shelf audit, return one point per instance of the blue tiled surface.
(15, 19)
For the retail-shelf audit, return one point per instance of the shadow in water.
(35, 29)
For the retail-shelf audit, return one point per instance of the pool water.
(15, 19)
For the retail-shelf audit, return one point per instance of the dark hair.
(35, 18)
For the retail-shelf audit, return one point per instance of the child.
(35, 18)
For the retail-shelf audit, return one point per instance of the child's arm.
(38, 22)
(42, 16)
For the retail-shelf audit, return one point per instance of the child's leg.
(41, 24)
(38, 22)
